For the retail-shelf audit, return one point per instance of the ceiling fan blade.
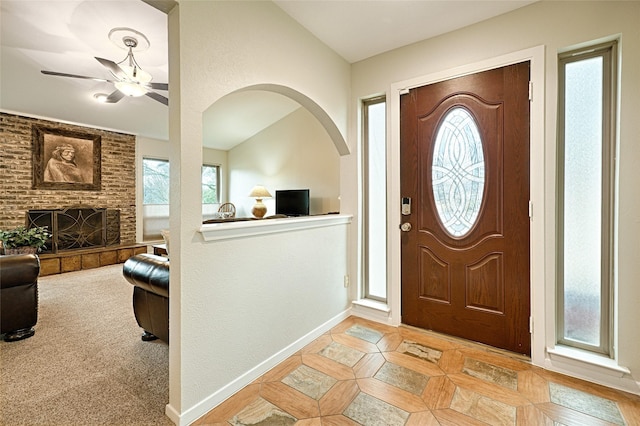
(114, 97)
(158, 97)
(62, 74)
(159, 86)
(113, 67)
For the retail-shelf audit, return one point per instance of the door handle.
(405, 227)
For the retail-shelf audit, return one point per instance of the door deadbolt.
(405, 227)
(406, 206)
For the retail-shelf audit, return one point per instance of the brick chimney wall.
(17, 196)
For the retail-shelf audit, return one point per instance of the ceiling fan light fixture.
(130, 89)
(136, 74)
(128, 78)
(134, 84)
(100, 97)
(137, 80)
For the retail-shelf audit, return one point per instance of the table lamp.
(259, 192)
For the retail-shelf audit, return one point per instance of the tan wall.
(17, 195)
(294, 153)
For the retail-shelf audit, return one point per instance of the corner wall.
(217, 48)
(17, 195)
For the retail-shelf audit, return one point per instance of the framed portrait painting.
(66, 159)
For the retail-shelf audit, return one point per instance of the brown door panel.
(474, 282)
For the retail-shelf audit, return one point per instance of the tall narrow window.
(155, 196)
(210, 190)
(210, 178)
(375, 199)
(586, 172)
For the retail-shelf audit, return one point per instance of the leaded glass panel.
(458, 172)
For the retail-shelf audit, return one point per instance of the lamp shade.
(259, 191)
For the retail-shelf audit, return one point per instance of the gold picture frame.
(66, 159)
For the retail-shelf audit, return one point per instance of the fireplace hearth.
(78, 227)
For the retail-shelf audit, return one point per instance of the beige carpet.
(86, 364)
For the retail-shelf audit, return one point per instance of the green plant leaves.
(25, 237)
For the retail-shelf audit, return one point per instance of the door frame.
(536, 56)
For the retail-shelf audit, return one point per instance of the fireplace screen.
(78, 227)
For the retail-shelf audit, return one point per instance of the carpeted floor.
(86, 364)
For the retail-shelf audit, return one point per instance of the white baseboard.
(224, 393)
(173, 415)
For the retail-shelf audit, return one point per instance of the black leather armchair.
(18, 295)
(149, 275)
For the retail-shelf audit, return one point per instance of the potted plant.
(24, 240)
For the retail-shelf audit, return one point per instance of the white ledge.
(584, 359)
(372, 310)
(250, 228)
(372, 304)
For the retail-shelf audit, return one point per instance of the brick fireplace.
(116, 195)
(117, 190)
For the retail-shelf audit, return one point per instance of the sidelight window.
(375, 199)
(586, 197)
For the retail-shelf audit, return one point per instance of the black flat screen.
(292, 202)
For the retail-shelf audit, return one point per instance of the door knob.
(405, 227)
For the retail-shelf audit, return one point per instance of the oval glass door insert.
(458, 172)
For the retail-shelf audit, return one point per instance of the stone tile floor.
(365, 373)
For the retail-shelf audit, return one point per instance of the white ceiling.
(64, 36)
(359, 29)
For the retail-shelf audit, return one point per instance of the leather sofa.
(18, 296)
(149, 275)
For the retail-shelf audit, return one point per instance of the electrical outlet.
(346, 281)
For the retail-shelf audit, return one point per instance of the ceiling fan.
(129, 78)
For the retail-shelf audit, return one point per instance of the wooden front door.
(465, 167)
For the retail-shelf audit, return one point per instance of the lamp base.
(259, 209)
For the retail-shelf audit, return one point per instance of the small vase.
(21, 250)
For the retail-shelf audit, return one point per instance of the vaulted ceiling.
(65, 36)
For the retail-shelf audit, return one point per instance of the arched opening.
(277, 137)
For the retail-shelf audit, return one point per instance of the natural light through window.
(586, 203)
(210, 178)
(155, 190)
(375, 182)
(155, 195)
